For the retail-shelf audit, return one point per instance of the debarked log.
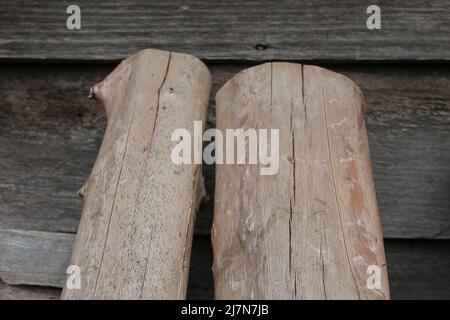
(135, 234)
(312, 229)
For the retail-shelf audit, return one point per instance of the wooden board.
(50, 136)
(13, 292)
(417, 269)
(34, 257)
(325, 30)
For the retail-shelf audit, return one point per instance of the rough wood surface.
(311, 230)
(50, 136)
(417, 269)
(12, 292)
(34, 257)
(411, 30)
(136, 229)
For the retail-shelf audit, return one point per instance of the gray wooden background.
(50, 132)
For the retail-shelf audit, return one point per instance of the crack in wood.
(335, 193)
(151, 145)
(114, 199)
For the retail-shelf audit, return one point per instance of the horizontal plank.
(34, 257)
(50, 134)
(417, 269)
(14, 292)
(322, 30)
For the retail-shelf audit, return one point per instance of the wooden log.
(135, 233)
(59, 132)
(312, 230)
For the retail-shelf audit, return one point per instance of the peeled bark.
(312, 230)
(135, 233)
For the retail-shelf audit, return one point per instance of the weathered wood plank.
(14, 292)
(34, 257)
(50, 136)
(322, 30)
(417, 269)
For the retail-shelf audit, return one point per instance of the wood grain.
(50, 136)
(12, 292)
(311, 230)
(34, 257)
(136, 229)
(417, 269)
(325, 30)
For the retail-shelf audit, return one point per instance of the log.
(135, 234)
(407, 127)
(312, 230)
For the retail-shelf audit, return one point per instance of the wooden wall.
(50, 132)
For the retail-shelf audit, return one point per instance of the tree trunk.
(312, 230)
(135, 233)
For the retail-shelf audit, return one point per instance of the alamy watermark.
(373, 22)
(235, 146)
(373, 282)
(73, 21)
(74, 277)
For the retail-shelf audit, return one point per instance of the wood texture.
(50, 136)
(325, 30)
(135, 233)
(8, 292)
(34, 257)
(417, 269)
(311, 230)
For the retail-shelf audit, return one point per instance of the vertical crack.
(323, 262)
(295, 285)
(290, 236)
(151, 145)
(271, 83)
(293, 147)
(323, 272)
(269, 267)
(116, 188)
(292, 198)
(303, 94)
(192, 211)
(159, 96)
(335, 194)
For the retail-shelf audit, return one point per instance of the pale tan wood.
(135, 234)
(311, 230)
